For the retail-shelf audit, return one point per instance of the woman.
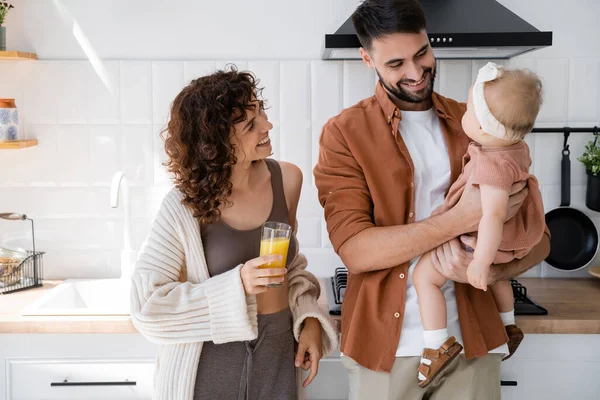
(197, 289)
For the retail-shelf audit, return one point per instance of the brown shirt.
(502, 167)
(365, 178)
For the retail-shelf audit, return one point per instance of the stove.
(336, 288)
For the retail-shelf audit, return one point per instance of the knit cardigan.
(177, 305)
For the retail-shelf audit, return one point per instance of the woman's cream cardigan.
(178, 306)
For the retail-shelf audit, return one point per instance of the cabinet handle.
(67, 383)
(508, 383)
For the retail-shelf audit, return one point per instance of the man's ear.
(366, 58)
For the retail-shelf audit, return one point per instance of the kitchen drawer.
(71, 379)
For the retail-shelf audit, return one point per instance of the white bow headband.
(486, 119)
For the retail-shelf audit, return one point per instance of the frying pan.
(574, 237)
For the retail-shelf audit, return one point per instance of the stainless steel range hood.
(458, 29)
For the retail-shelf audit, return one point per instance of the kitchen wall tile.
(326, 90)
(42, 166)
(104, 153)
(584, 85)
(161, 174)
(322, 262)
(74, 155)
(136, 92)
(137, 155)
(295, 147)
(535, 272)
(167, 82)
(41, 90)
(325, 242)
(72, 107)
(358, 82)
(103, 87)
(268, 74)
(522, 63)
(455, 79)
(196, 69)
(309, 232)
(551, 272)
(295, 93)
(81, 264)
(554, 74)
(309, 206)
(316, 134)
(548, 155)
(275, 136)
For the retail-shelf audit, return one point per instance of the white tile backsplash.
(103, 87)
(554, 74)
(167, 82)
(295, 91)
(358, 82)
(584, 80)
(455, 78)
(105, 123)
(135, 85)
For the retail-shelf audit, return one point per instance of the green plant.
(591, 157)
(4, 7)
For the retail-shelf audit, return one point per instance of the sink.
(84, 297)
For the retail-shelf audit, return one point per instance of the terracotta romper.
(502, 167)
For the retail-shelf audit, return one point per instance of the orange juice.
(278, 245)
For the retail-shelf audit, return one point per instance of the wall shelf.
(18, 144)
(17, 55)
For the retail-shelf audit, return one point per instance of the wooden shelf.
(17, 55)
(18, 144)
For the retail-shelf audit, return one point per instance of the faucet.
(128, 255)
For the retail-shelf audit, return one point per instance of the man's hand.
(469, 205)
(451, 259)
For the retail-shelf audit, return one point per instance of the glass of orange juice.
(275, 239)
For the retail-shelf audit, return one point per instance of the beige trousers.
(476, 379)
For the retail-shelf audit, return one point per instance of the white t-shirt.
(423, 136)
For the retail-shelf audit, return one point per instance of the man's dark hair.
(376, 18)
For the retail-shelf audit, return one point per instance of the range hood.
(458, 29)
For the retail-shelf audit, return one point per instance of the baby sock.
(508, 318)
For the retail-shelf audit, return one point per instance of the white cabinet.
(111, 363)
(79, 379)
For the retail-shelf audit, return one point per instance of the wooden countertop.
(11, 320)
(573, 307)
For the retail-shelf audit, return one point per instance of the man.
(384, 165)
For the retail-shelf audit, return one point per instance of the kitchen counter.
(573, 307)
(11, 320)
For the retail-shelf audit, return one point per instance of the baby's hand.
(478, 274)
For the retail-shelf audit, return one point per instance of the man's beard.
(411, 97)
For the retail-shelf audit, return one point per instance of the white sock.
(434, 339)
(508, 318)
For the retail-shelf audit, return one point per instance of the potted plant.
(4, 8)
(591, 159)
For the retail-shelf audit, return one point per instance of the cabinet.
(36, 366)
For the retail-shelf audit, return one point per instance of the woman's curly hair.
(197, 138)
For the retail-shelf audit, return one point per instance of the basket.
(18, 274)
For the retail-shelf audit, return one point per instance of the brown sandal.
(515, 337)
(440, 358)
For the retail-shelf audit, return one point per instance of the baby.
(501, 110)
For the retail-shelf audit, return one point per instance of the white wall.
(87, 133)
